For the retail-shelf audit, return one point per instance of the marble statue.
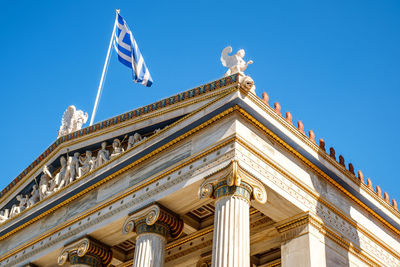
(16, 209)
(73, 167)
(56, 182)
(87, 163)
(3, 215)
(35, 196)
(62, 176)
(117, 149)
(235, 63)
(72, 121)
(103, 155)
(133, 140)
(44, 182)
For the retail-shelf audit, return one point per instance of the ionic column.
(85, 252)
(153, 226)
(302, 242)
(232, 189)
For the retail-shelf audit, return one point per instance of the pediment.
(150, 122)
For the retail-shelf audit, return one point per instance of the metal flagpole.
(104, 71)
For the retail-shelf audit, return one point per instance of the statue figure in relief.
(4, 215)
(72, 121)
(73, 167)
(235, 63)
(117, 149)
(16, 209)
(62, 176)
(133, 140)
(34, 197)
(45, 178)
(87, 163)
(103, 155)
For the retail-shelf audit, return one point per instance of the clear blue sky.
(333, 64)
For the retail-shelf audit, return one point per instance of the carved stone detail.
(247, 83)
(233, 178)
(235, 63)
(298, 226)
(72, 121)
(72, 168)
(326, 214)
(153, 225)
(85, 247)
(154, 215)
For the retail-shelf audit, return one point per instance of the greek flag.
(129, 53)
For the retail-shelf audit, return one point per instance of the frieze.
(134, 198)
(301, 194)
(329, 216)
(223, 82)
(72, 167)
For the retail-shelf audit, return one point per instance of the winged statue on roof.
(235, 63)
(72, 120)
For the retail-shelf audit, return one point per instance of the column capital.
(233, 180)
(154, 219)
(86, 250)
(299, 225)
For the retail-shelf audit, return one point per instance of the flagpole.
(104, 71)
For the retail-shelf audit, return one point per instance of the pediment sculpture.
(72, 167)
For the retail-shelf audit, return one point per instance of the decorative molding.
(233, 181)
(339, 228)
(204, 262)
(146, 157)
(212, 153)
(279, 183)
(306, 222)
(290, 149)
(155, 219)
(297, 226)
(86, 247)
(270, 111)
(221, 83)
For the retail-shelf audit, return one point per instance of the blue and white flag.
(129, 53)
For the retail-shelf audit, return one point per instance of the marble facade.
(226, 181)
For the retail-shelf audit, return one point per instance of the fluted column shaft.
(232, 189)
(231, 244)
(150, 250)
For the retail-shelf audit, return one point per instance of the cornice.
(299, 225)
(121, 119)
(168, 145)
(290, 149)
(317, 197)
(220, 94)
(320, 152)
(138, 187)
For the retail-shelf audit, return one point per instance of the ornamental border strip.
(202, 89)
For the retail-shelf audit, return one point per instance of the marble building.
(213, 176)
